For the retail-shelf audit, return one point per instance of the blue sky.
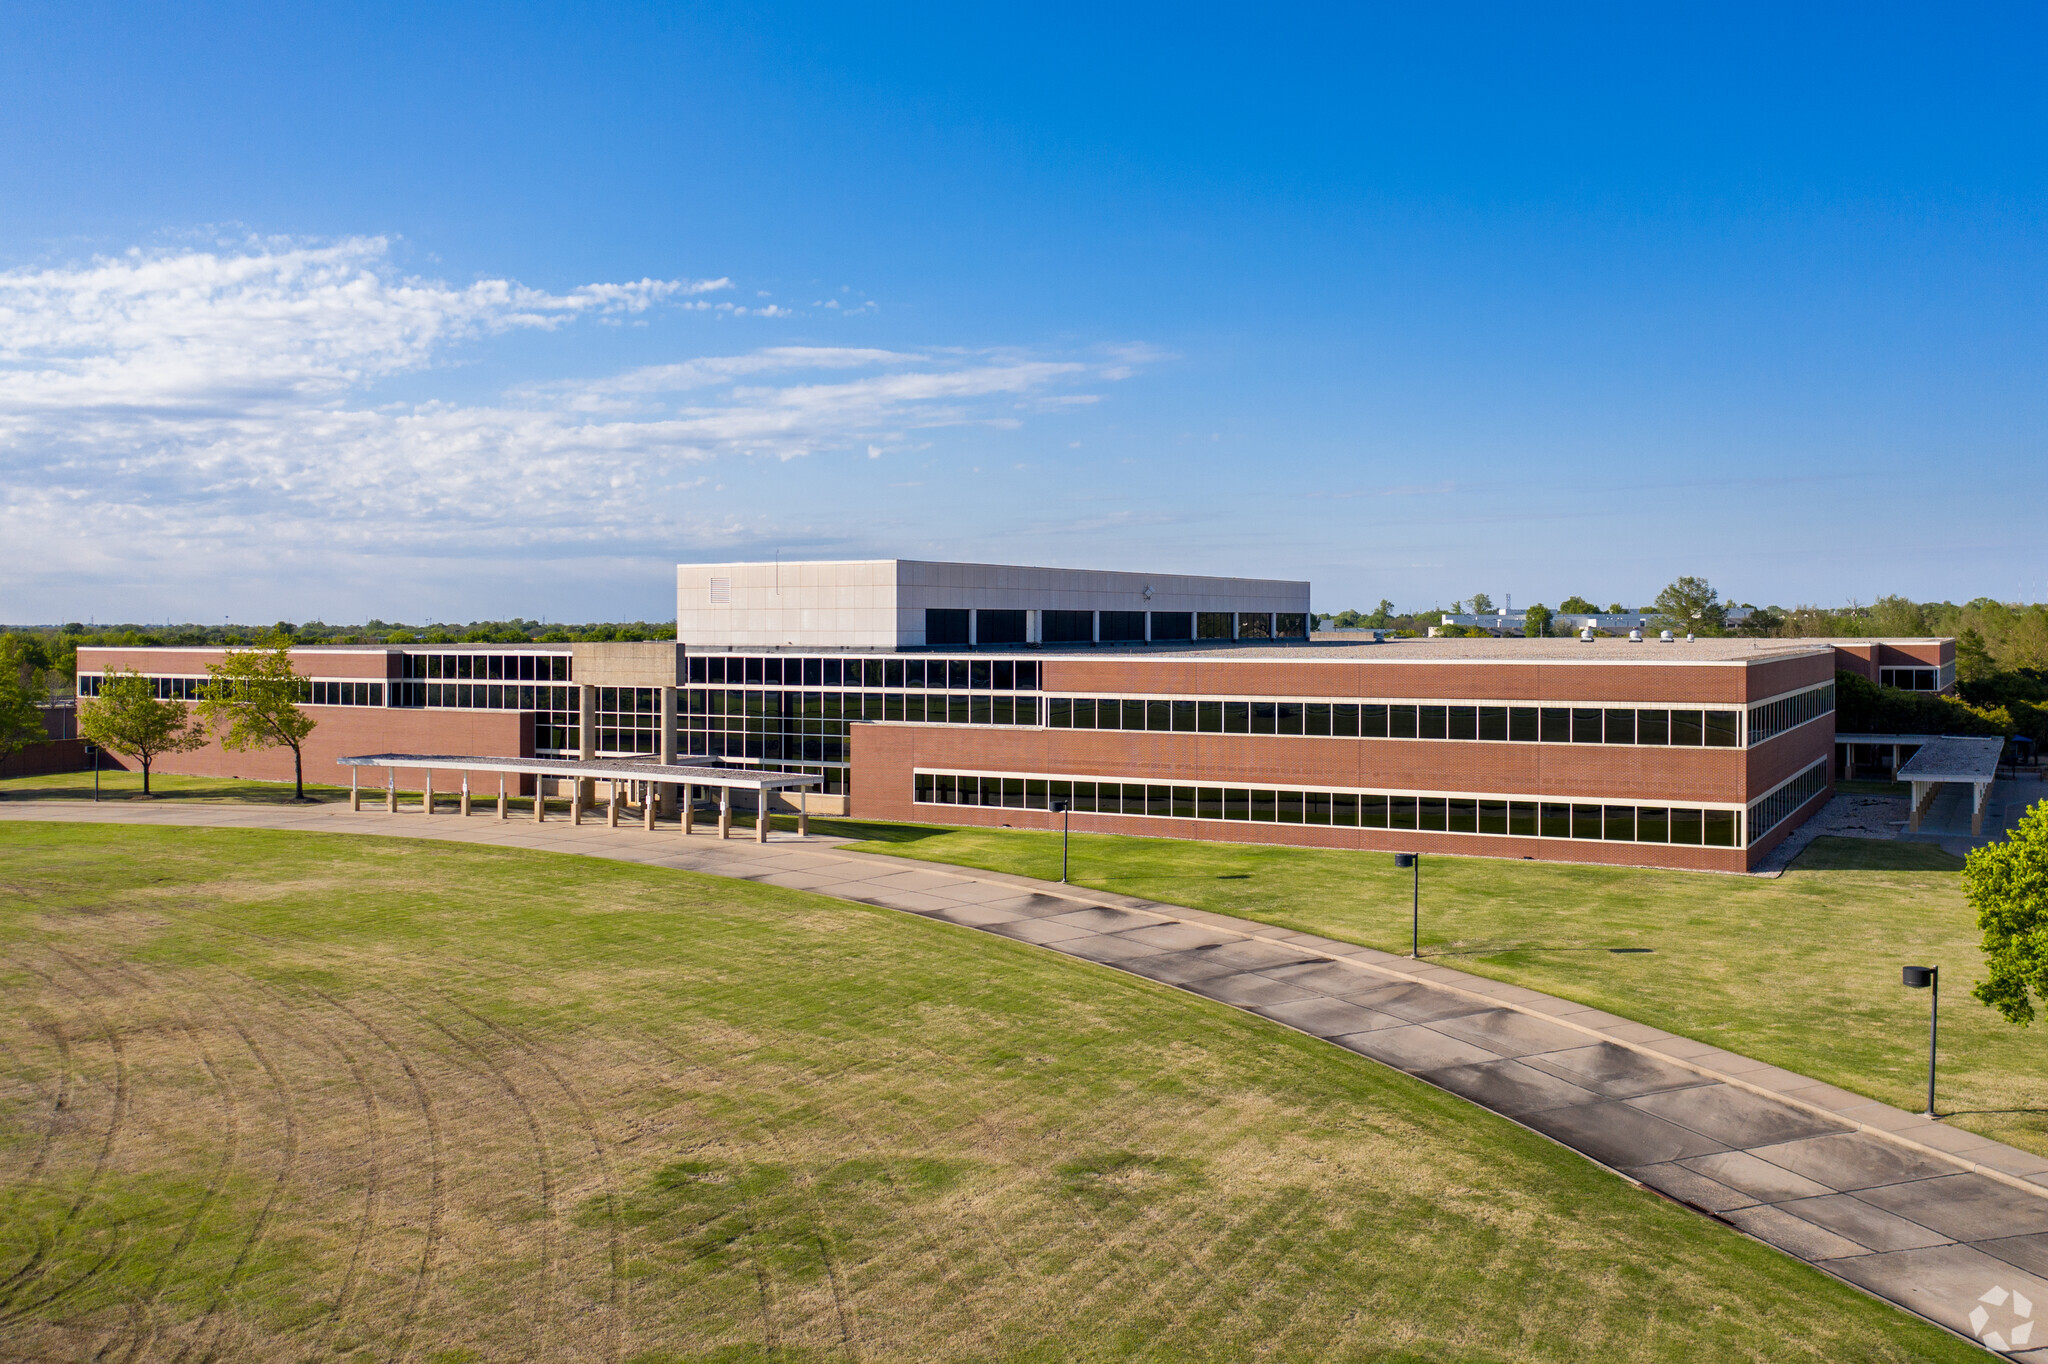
(464, 312)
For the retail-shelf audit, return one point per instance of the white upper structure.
(912, 604)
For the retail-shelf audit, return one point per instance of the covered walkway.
(650, 780)
(1946, 759)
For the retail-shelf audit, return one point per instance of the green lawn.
(279, 1096)
(1801, 971)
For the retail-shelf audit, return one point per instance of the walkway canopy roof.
(1951, 757)
(692, 772)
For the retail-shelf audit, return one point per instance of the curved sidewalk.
(1945, 1223)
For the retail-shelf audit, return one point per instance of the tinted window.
(1400, 722)
(1262, 808)
(1159, 715)
(1685, 826)
(1184, 717)
(944, 626)
(999, 627)
(980, 676)
(1084, 712)
(1430, 813)
(1209, 803)
(1316, 718)
(1464, 816)
(1432, 722)
(1344, 810)
(1006, 675)
(1288, 807)
(1372, 812)
(1585, 821)
(1237, 717)
(1721, 729)
(1621, 726)
(1400, 812)
(1653, 727)
(1464, 722)
(1522, 818)
(1254, 625)
(1653, 824)
(1586, 725)
(956, 674)
(1124, 626)
(1372, 722)
(1173, 625)
(1557, 725)
(1556, 820)
(1069, 627)
(1027, 677)
(1134, 715)
(1213, 625)
(1237, 803)
(1720, 828)
(1109, 714)
(1522, 724)
(1344, 720)
(1211, 717)
(1621, 823)
(1288, 716)
(1493, 816)
(1290, 625)
(1265, 716)
(1493, 723)
(1686, 726)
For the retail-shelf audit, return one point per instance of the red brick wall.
(371, 662)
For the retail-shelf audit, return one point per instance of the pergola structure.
(618, 772)
(1948, 758)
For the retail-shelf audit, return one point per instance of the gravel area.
(1846, 816)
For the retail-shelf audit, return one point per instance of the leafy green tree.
(21, 722)
(127, 718)
(2007, 884)
(1482, 605)
(252, 699)
(1690, 606)
(1577, 606)
(1973, 659)
(1538, 623)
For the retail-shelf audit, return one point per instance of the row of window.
(946, 626)
(832, 707)
(486, 667)
(1375, 720)
(484, 696)
(1774, 809)
(348, 694)
(1789, 712)
(163, 688)
(1697, 826)
(1911, 679)
(938, 674)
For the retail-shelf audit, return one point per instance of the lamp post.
(1060, 808)
(1414, 861)
(1927, 978)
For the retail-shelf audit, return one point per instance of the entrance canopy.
(1952, 758)
(693, 771)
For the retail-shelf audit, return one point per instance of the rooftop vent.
(1664, 638)
(1688, 636)
(1586, 634)
(1635, 636)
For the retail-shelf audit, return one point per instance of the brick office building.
(1174, 706)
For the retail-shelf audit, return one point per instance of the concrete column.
(391, 790)
(540, 800)
(611, 808)
(803, 814)
(647, 808)
(689, 812)
(666, 801)
(973, 625)
(427, 794)
(1034, 628)
(504, 810)
(761, 799)
(465, 795)
(355, 790)
(586, 740)
(725, 812)
(1982, 798)
(1095, 627)
(576, 802)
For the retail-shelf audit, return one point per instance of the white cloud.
(192, 405)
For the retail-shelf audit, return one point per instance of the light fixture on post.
(1060, 808)
(1927, 978)
(1414, 861)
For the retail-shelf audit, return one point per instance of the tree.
(128, 718)
(1538, 623)
(1692, 607)
(252, 699)
(1577, 606)
(2007, 884)
(1973, 659)
(21, 721)
(1482, 605)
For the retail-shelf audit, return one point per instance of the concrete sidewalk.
(1945, 1223)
